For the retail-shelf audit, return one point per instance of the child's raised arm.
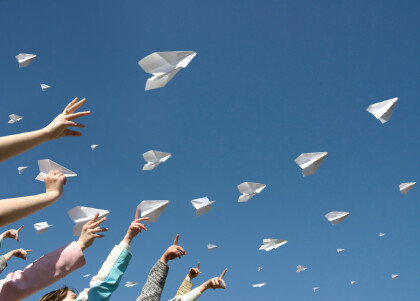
(11, 146)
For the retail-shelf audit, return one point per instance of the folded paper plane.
(14, 118)
(269, 244)
(340, 251)
(25, 59)
(164, 66)
(383, 110)
(315, 289)
(352, 282)
(94, 146)
(211, 247)
(310, 162)
(152, 209)
(45, 87)
(405, 187)
(258, 285)
(202, 205)
(381, 234)
(394, 276)
(154, 158)
(81, 215)
(41, 227)
(259, 268)
(46, 165)
(300, 268)
(21, 169)
(129, 284)
(336, 217)
(85, 276)
(248, 190)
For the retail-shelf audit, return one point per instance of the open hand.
(89, 232)
(135, 227)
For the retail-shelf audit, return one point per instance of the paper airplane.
(81, 215)
(152, 209)
(336, 217)
(202, 205)
(45, 87)
(85, 276)
(394, 276)
(164, 66)
(405, 187)
(383, 110)
(381, 234)
(41, 227)
(14, 118)
(25, 59)
(300, 268)
(248, 190)
(211, 247)
(310, 162)
(21, 169)
(315, 289)
(258, 285)
(46, 165)
(94, 146)
(352, 282)
(269, 244)
(340, 251)
(154, 158)
(259, 268)
(129, 284)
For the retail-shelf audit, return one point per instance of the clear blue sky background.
(271, 80)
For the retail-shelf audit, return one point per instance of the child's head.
(62, 294)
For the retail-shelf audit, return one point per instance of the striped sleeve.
(185, 287)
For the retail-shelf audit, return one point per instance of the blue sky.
(271, 80)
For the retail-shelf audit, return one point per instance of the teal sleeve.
(3, 263)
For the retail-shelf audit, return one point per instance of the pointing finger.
(176, 240)
(198, 265)
(223, 274)
(20, 228)
(137, 213)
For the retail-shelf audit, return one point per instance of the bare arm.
(11, 146)
(12, 210)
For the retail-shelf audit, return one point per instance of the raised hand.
(194, 272)
(89, 232)
(12, 233)
(135, 227)
(54, 182)
(59, 126)
(21, 253)
(216, 282)
(173, 252)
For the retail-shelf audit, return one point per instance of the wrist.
(128, 239)
(203, 287)
(44, 134)
(163, 259)
(9, 255)
(54, 195)
(82, 245)
(188, 278)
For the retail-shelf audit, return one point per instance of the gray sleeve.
(3, 263)
(153, 288)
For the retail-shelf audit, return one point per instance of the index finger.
(176, 240)
(137, 213)
(71, 103)
(20, 228)
(94, 218)
(28, 250)
(223, 274)
(198, 265)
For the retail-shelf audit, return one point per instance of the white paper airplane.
(383, 110)
(129, 284)
(248, 190)
(405, 187)
(259, 268)
(164, 66)
(381, 234)
(41, 227)
(336, 217)
(340, 251)
(352, 282)
(211, 247)
(394, 276)
(25, 59)
(202, 205)
(45, 87)
(258, 285)
(269, 244)
(315, 289)
(152, 209)
(94, 146)
(154, 158)
(21, 169)
(310, 162)
(85, 276)
(300, 268)
(14, 118)
(46, 165)
(81, 215)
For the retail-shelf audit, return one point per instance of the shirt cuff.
(125, 245)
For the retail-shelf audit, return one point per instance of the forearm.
(13, 145)
(15, 209)
(155, 283)
(185, 286)
(7, 256)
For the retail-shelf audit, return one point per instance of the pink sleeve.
(42, 273)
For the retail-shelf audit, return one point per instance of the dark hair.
(57, 295)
